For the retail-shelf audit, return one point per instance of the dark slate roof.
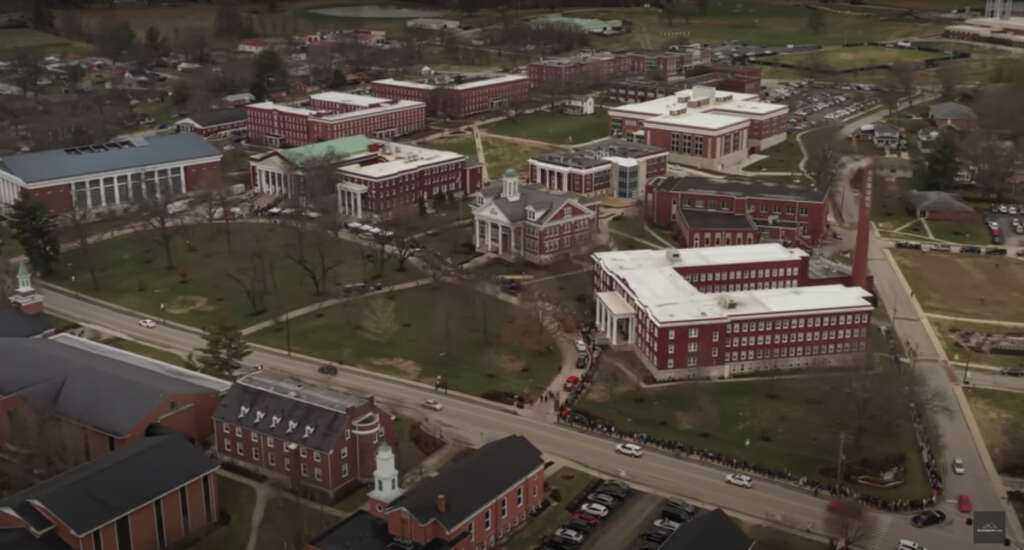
(715, 219)
(105, 489)
(15, 324)
(41, 166)
(538, 197)
(595, 153)
(739, 187)
(21, 539)
(32, 517)
(106, 394)
(886, 130)
(363, 531)
(220, 116)
(264, 396)
(470, 483)
(951, 110)
(713, 530)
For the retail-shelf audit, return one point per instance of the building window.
(714, 336)
(256, 453)
(504, 507)
(672, 334)
(487, 520)
(271, 460)
(693, 333)
(287, 464)
(671, 363)
(671, 348)
(344, 470)
(254, 437)
(691, 361)
(227, 428)
(519, 496)
(316, 456)
(692, 347)
(270, 442)
(227, 445)
(303, 452)
(318, 474)
(238, 431)
(240, 449)
(304, 469)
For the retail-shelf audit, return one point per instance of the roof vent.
(673, 255)
(242, 411)
(308, 432)
(274, 421)
(259, 416)
(291, 426)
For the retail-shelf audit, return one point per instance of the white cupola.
(385, 476)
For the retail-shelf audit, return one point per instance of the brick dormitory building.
(318, 440)
(607, 167)
(109, 176)
(457, 100)
(331, 115)
(586, 69)
(719, 311)
(475, 503)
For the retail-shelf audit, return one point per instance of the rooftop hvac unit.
(673, 255)
(727, 302)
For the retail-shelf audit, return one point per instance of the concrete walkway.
(328, 303)
(480, 157)
(652, 233)
(524, 141)
(637, 239)
(1014, 324)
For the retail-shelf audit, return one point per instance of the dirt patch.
(954, 284)
(511, 363)
(686, 420)
(600, 391)
(408, 368)
(184, 304)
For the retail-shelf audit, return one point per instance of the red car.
(570, 382)
(583, 516)
(963, 503)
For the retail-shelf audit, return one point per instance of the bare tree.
(76, 219)
(252, 275)
(27, 65)
(823, 156)
(315, 251)
(950, 75)
(903, 76)
(994, 161)
(848, 522)
(890, 96)
(156, 212)
(194, 42)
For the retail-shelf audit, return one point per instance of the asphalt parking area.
(625, 524)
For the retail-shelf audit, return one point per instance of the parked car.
(618, 483)
(906, 544)
(675, 514)
(147, 323)
(603, 499)
(594, 509)
(928, 517)
(1012, 371)
(995, 251)
(740, 480)
(570, 383)
(996, 239)
(958, 466)
(682, 505)
(992, 224)
(630, 449)
(613, 490)
(569, 534)
(963, 503)
(578, 525)
(656, 534)
(666, 523)
(581, 346)
(327, 369)
(433, 404)
(586, 518)
(581, 362)
(908, 244)
(970, 250)
(940, 248)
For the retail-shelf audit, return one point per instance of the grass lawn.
(161, 113)
(502, 155)
(839, 59)
(462, 146)
(769, 538)
(132, 272)
(288, 525)
(784, 157)
(634, 227)
(237, 500)
(18, 39)
(422, 345)
(451, 242)
(576, 291)
(942, 328)
(569, 483)
(955, 284)
(961, 232)
(1000, 417)
(789, 423)
(554, 127)
(353, 502)
(146, 350)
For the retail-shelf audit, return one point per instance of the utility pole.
(839, 465)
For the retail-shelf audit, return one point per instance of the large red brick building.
(331, 115)
(457, 100)
(702, 126)
(476, 503)
(726, 310)
(150, 495)
(52, 388)
(531, 224)
(637, 89)
(607, 167)
(588, 69)
(109, 177)
(783, 212)
(318, 440)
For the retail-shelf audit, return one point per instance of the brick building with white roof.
(457, 100)
(606, 167)
(727, 310)
(702, 126)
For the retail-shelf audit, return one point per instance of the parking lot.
(1008, 232)
(811, 106)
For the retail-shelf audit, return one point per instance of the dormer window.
(259, 416)
(274, 421)
(291, 426)
(242, 411)
(308, 431)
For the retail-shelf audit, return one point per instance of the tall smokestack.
(860, 252)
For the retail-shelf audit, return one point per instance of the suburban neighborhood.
(532, 275)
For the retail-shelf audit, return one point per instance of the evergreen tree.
(942, 164)
(42, 15)
(224, 351)
(36, 229)
(268, 70)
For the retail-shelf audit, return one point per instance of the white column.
(501, 240)
(476, 233)
(597, 314)
(489, 236)
(615, 330)
(117, 194)
(359, 205)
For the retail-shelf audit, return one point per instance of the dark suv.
(1013, 371)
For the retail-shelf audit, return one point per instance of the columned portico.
(497, 237)
(350, 199)
(615, 318)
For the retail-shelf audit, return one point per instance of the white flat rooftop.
(748, 107)
(669, 298)
(349, 99)
(395, 106)
(706, 121)
(405, 83)
(489, 81)
(664, 105)
(270, 105)
(400, 157)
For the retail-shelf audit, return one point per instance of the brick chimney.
(860, 252)
(442, 504)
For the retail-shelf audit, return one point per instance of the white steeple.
(25, 297)
(510, 185)
(24, 279)
(385, 476)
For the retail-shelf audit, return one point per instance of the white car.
(958, 466)
(740, 480)
(581, 346)
(433, 404)
(993, 225)
(147, 323)
(569, 534)
(909, 545)
(666, 524)
(630, 449)
(1003, 208)
(594, 509)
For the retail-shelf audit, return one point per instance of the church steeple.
(385, 476)
(25, 297)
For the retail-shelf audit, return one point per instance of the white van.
(909, 545)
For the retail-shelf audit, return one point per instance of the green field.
(1000, 416)
(236, 499)
(502, 155)
(841, 59)
(961, 232)
(132, 272)
(568, 483)
(779, 423)
(551, 127)
(783, 157)
(462, 146)
(436, 330)
(18, 39)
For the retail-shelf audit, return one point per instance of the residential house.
(952, 114)
(886, 136)
(579, 105)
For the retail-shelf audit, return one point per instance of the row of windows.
(795, 351)
(727, 205)
(718, 239)
(750, 285)
(272, 460)
(687, 144)
(733, 275)
(800, 337)
(799, 322)
(128, 188)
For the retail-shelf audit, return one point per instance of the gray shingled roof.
(697, 218)
(538, 197)
(739, 187)
(15, 324)
(472, 482)
(41, 166)
(21, 539)
(363, 531)
(109, 487)
(106, 394)
(711, 530)
(951, 110)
